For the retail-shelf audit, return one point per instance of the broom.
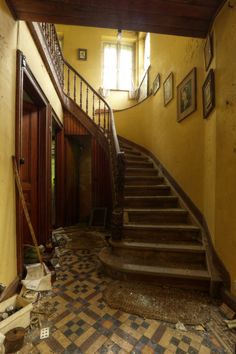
(25, 209)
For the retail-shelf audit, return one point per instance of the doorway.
(33, 146)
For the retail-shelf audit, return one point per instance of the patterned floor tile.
(84, 324)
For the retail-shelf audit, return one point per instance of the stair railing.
(76, 88)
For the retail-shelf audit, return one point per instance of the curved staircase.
(161, 241)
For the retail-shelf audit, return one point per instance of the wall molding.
(229, 298)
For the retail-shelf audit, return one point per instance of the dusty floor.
(81, 322)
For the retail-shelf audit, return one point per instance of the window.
(118, 67)
(147, 51)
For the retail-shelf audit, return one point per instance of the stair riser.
(141, 172)
(157, 219)
(162, 236)
(139, 164)
(162, 258)
(150, 203)
(144, 181)
(147, 191)
(185, 283)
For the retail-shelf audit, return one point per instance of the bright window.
(118, 67)
(147, 50)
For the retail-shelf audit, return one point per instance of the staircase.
(161, 241)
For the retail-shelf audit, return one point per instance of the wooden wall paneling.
(71, 181)
(72, 125)
(60, 176)
(101, 184)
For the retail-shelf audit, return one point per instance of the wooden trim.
(26, 80)
(192, 207)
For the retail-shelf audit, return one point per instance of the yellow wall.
(13, 35)
(90, 38)
(199, 153)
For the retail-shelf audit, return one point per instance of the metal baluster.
(68, 82)
(99, 113)
(108, 122)
(104, 118)
(93, 107)
(81, 88)
(87, 90)
(74, 87)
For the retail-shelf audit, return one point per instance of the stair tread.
(161, 227)
(164, 211)
(148, 186)
(151, 197)
(119, 263)
(159, 246)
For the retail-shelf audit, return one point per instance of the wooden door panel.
(29, 167)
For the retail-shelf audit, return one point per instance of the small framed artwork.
(156, 84)
(208, 94)
(208, 51)
(82, 54)
(186, 96)
(168, 89)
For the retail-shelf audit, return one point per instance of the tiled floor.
(82, 323)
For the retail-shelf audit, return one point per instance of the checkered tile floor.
(83, 323)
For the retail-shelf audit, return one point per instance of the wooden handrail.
(77, 89)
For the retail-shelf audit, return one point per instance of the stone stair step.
(189, 256)
(131, 153)
(161, 201)
(137, 158)
(148, 190)
(157, 216)
(119, 268)
(143, 180)
(161, 233)
(139, 164)
(129, 171)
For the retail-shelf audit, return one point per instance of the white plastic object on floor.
(44, 333)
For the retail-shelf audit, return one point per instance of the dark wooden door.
(29, 167)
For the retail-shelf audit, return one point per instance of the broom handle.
(24, 206)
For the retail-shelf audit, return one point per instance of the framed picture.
(82, 54)
(208, 51)
(208, 94)
(168, 89)
(186, 96)
(156, 84)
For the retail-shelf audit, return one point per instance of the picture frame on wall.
(168, 89)
(208, 94)
(156, 84)
(208, 51)
(82, 54)
(187, 96)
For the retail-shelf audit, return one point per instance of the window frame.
(119, 46)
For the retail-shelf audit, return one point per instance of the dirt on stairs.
(161, 241)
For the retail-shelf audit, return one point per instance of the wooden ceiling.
(180, 17)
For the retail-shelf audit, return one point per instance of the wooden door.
(29, 167)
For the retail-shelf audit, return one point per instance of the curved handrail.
(95, 106)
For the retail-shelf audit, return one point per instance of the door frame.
(25, 80)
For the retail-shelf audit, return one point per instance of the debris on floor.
(230, 323)
(164, 303)
(227, 312)
(180, 326)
